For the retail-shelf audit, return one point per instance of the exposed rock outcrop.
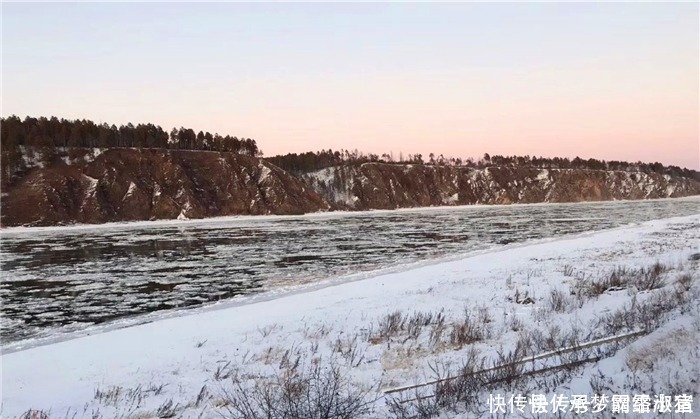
(130, 184)
(146, 184)
(387, 186)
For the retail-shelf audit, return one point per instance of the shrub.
(472, 328)
(34, 414)
(644, 279)
(558, 301)
(312, 391)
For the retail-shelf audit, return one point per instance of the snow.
(544, 178)
(264, 171)
(92, 187)
(132, 188)
(96, 152)
(323, 181)
(670, 189)
(323, 175)
(183, 353)
(31, 158)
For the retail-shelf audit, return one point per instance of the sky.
(614, 81)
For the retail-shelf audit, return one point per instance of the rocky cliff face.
(387, 186)
(129, 184)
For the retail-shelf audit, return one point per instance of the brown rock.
(386, 186)
(130, 184)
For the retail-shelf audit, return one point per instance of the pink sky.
(611, 81)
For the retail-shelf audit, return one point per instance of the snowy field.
(66, 280)
(401, 328)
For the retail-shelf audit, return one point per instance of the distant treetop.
(55, 132)
(313, 161)
(45, 136)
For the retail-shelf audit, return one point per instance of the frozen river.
(57, 280)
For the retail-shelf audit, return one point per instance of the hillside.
(131, 184)
(388, 186)
(123, 184)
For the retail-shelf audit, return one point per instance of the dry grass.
(559, 301)
(645, 357)
(642, 279)
(313, 391)
(410, 326)
(473, 327)
(647, 312)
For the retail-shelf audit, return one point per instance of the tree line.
(300, 163)
(48, 135)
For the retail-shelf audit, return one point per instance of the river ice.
(62, 279)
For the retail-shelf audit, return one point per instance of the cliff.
(97, 186)
(388, 186)
(130, 184)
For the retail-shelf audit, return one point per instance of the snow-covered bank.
(173, 359)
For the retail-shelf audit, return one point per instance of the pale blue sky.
(615, 81)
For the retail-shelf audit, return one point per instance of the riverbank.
(19, 230)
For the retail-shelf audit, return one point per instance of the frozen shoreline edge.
(19, 230)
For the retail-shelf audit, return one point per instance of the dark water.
(66, 279)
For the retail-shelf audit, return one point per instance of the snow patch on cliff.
(264, 172)
(92, 185)
(670, 189)
(156, 191)
(452, 199)
(31, 159)
(334, 183)
(89, 191)
(130, 191)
